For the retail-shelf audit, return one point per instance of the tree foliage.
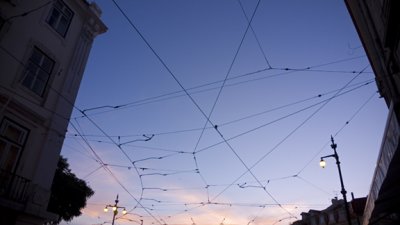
(68, 193)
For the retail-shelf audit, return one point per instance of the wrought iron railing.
(13, 187)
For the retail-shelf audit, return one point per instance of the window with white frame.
(60, 17)
(12, 140)
(37, 72)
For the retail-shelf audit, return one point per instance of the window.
(60, 17)
(12, 139)
(37, 73)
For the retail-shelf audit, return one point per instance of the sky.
(218, 112)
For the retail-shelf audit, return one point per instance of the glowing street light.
(115, 208)
(322, 163)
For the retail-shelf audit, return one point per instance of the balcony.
(13, 187)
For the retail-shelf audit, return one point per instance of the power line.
(337, 133)
(158, 57)
(226, 76)
(353, 88)
(293, 131)
(255, 35)
(164, 97)
(190, 97)
(218, 96)
(338, 95)
(113, 175)
(276, 120)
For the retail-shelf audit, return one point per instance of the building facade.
(44, 47)
(335, 214)
(378, 25)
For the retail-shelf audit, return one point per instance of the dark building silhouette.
(335, 214)
(378, 26)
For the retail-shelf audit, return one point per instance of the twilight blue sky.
(276, 94)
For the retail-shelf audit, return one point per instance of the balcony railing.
(13, 187)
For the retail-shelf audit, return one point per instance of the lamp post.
(322, 163)
(115, 208)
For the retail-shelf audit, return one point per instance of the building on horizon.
(335, 214)
(378, 25)
(44, 47)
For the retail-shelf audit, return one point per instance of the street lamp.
(322, 163)
(115, 208)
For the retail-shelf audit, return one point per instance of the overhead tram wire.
(174, 152)
(158, 57)
(361, 84)
(298, 127)
(81, 152)
(274, 121)
(159, 98)
(227, 75)
(201, 176)
(78, 126)
(117, 145)
(246, 184)
(191, 98)
(356, 113)
(86, 141)
(112, 140)
(297, 175)
(337, 95)
(138, 201)
(255, 35)
(249, 184)
(313, 185)
(114, 177)
(98, 158)
(134, 166)
(219, 94)
(92, 172)
(356, 85)
(164, 97)
(292, 132)
(248, 169)
(236, 204)
(337, 133)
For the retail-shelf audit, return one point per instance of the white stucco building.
(44, 46)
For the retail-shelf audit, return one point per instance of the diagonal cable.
(255, 36)
(339, 131)
(218, 96)
(291, 133)
(227, 75)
